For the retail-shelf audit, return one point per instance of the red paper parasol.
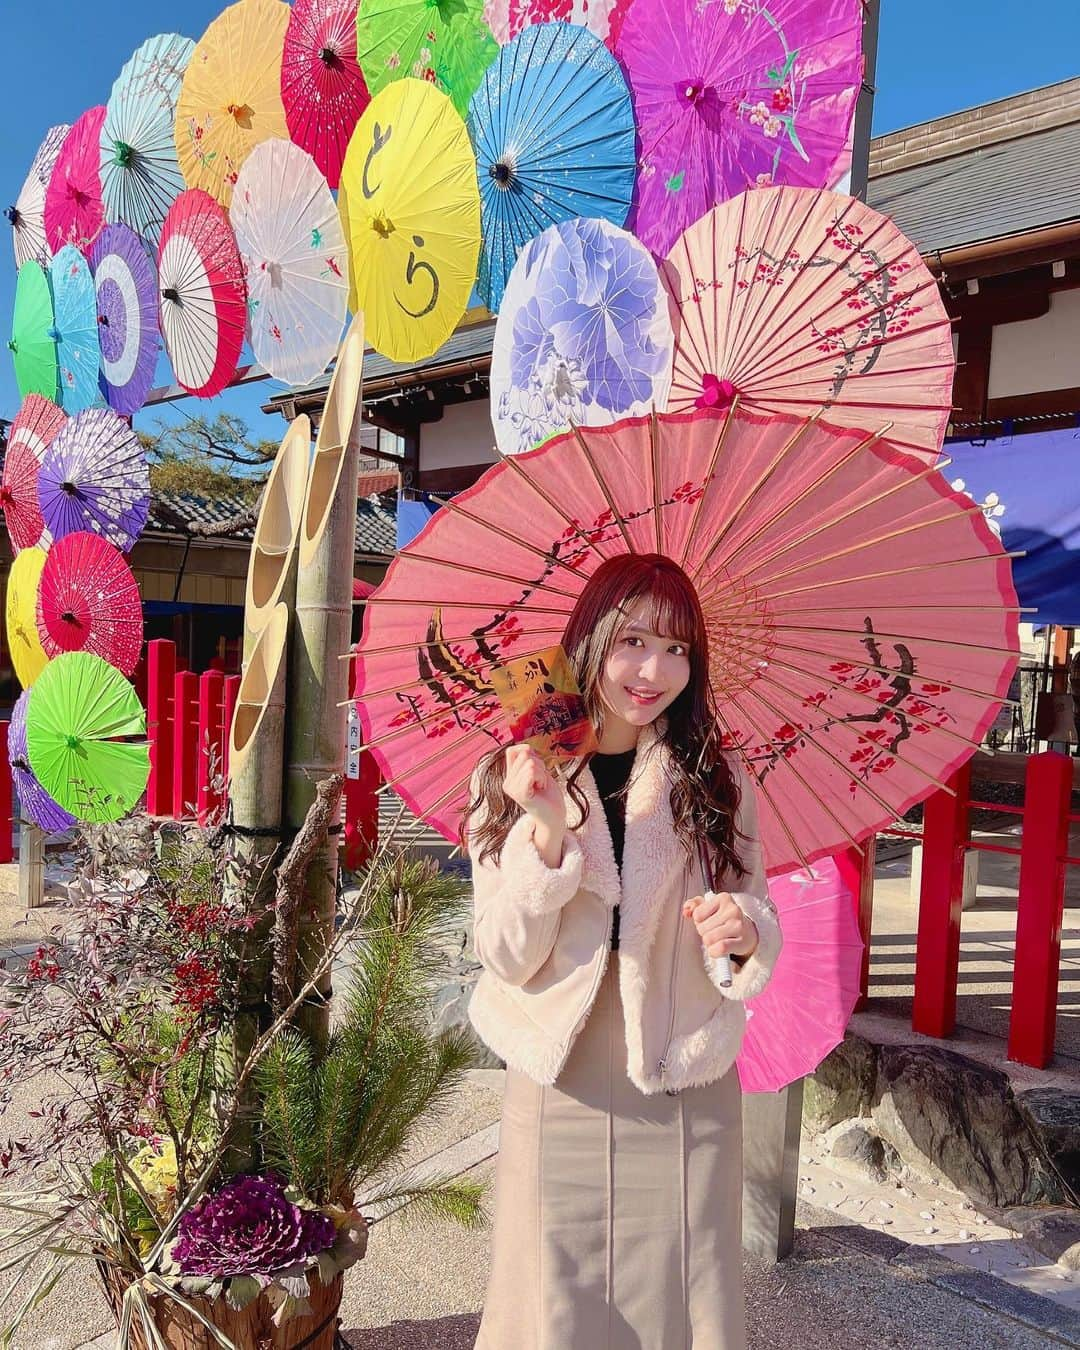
(32, 432)
(88, 600)
(74, 211)
(203, 311)
(322, 86)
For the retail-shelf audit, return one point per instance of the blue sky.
(935, 57)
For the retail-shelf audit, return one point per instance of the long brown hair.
(704, 793)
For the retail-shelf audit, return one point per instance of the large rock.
(938, 1107)
(1052, 1230)
(842, 1087)
(450, 1005)
(1053, 1117)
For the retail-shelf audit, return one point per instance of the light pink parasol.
(862, 616)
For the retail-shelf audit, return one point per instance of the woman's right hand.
(529, 783)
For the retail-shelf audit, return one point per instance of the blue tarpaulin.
(412, 516)
(1036, 482)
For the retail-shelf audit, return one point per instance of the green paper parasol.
(76, 714)
(445, 42)
(33, 334)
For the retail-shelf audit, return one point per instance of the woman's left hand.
(724, 929)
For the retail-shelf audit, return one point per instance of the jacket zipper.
(662, 1065)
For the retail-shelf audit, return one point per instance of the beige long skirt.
(617, 1216)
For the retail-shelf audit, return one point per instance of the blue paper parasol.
(34, 802)
(584, 336)
(140, 178)
(75, 329)
(126, 283)
(553, 130)
(94, 477)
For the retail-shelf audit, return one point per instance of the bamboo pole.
(318, 682)
(272, 569)
(256, 756)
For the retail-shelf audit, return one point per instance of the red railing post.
(160, 677)
(362, 781)
(185, 743)
(856, 866)
(208, 794)
(7, 801)
(946, 834)
(1039, 911)
(232, 690)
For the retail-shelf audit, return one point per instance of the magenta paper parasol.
(862, 615)
(801, 1015)
(94, 477)
(27, 213)
(34, 802)
(744, 93)
(126, 289)
(74, 212)
(322, 86)
(88, 600)
(35, 427)
(203, 305)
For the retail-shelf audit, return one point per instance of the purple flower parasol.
(735, 94)
(35, 803)
(126, 285)
(94, 477)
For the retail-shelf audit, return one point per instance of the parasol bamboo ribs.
(318, 683)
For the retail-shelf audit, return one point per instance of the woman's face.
(645, 671)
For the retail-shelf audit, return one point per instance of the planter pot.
(252, 1329)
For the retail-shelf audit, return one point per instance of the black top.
(612, 773)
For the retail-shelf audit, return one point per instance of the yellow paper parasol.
(27, 654)
(411, 209)
(231, 96)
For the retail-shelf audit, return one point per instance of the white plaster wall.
(1038, 354)
(463, 435)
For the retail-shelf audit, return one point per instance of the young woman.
(606, 898)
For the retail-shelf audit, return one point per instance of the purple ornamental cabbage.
(248, 1227)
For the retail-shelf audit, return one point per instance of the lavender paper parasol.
(126, 285)
(34, 802)
(94, 477)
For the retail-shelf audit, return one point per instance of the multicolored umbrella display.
(203, 308)
(140, 176)
(88, 600)
(448, 45)
(81, 709)
(292, 247)
(33, 337)
(26, 214)
(799, 300)
(127, 311)
(583, 335)
(861, 614)
(94, 477)
(730, 96)
(803, 1012)
(27, 654)
(35, 427)
(322, 86)
(231, 96)
(74, 213)
(76, 327)
(507, 18)
(34, 802)
(411, 211)
(553, 129)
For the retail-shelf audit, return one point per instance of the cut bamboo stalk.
(256, 757)
(271, 574)
(318, 682)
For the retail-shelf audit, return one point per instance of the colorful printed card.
(544, 705)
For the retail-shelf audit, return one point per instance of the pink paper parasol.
(506, 18)
(74, 212)
(797, 300)
(733, 95)
(322, 86)
(862, 616)
(793, 1024)
(35, 427)
(88, 600)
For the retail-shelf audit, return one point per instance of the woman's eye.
(630, 641)
(677, 649)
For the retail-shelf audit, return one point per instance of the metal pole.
(772, 1123)
(864, 111)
